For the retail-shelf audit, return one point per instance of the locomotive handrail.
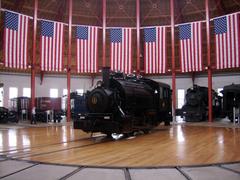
(122, 112)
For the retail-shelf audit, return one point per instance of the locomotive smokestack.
(106, 76)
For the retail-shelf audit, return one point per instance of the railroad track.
(43, 149)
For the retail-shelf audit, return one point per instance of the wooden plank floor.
(165, 146)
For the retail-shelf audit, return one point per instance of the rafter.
(92, 8)
(121, 9)
(154, 6)
(179, 11)
(237, 2)
(220, 7)
(19, 5)
(61, 11)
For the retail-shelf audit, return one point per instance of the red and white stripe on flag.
(191, 47)
(87, 48)
(15, 40)
(155, 50)
(52, 44)
(227, 41)
(121, 50)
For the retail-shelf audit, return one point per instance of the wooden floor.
(165, 146)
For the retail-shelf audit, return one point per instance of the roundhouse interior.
(187, 149)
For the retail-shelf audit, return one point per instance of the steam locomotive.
(7, 116)
(46, 106)
(21, 107)
(196, 106)
(231, 98)
(125, 104)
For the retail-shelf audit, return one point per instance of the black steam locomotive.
(125, 104)
(231, 98)
(196, 106)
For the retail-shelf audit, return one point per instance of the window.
(80, 91)
(53, 93)
(219, 92)
(64, 99)
(27, 92)
(180, 96)
(13, 92)
(65, 91)
(1, 97)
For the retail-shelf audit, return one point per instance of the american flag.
(121, 49)
(190, 37)
(155, 50)
(87, 41)
(15, 40)
(227, 39)
(52, 44)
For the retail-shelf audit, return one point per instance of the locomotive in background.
(231, 98)
(196, 104)
(125, 104)
(78, 104)
(7, 116)
(45, 106)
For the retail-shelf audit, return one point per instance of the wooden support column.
(69, 60)
(138, 34)
(209, 62)
(173, 60)
(104, 32)
(0, 8)
(33, 63)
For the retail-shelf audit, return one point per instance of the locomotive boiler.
(196, 106)
(125, 104)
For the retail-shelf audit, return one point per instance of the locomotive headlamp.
(82, 117)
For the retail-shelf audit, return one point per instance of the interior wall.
(60, 82)
(24, 81)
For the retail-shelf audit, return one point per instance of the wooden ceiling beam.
(19, 5)
(61, 11)
(220, 7)
(179, 9)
